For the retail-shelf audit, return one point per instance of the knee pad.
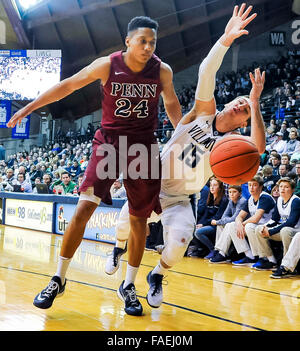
(122, 229)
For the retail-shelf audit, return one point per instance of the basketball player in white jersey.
(284, 225)
(185, 158)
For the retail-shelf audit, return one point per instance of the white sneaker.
(155, 293)
(113, 260)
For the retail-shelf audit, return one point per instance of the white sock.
(63, 264)
(272, 259)
(121, 244)
(131, 273)
(159, 269)
(248, 253)
(222, 253)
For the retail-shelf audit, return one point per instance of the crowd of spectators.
(60, 166)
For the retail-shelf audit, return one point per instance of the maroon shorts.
(141, 170)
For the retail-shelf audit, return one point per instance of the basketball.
(234, 160)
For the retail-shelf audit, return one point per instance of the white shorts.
(176, 217)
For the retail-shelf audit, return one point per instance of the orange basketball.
(234, 160)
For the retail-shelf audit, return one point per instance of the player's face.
(141, 43)
(285, 190)
(238, 110)
(233, 194)
(254, 188)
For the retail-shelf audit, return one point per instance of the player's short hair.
(141, 22)
(258, 179)
(287, 180)
(236, 187)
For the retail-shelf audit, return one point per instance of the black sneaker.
(218, 258)
(128, 295)
(264, 265)
(281, 272)
(46, 297)
(113, 260)
(155, 293)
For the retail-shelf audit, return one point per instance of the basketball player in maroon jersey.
(133, 81)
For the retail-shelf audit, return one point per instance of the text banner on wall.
(5, 112)
(29, 214)
(100, 227)
(21, 131)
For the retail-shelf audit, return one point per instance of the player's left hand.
(258, 82)
(235, 27)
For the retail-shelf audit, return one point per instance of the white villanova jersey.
(252, 206)
(185, 157)
(285, 210)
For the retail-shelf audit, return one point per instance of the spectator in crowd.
(275, 192)
(284, 130)
(37, 181)
(297, 180)
(25, 186)
(34, 173)
(257, 210)
(285, 160)
(284, 225)
(2, 152)
(278, 144)
(275, 161)
(48, 181)
(201, 205)
(204, 237)
(75, 169)
(270, 135)
(1, 183)
(64, 185)
(269, 178)
(282, 170)
(235, 204)
(9, 177)
(292, 145)
(118, 190)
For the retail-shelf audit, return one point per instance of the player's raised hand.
(258, 82)
(235, 27)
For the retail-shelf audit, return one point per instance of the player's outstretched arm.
(235, 28)
(96, 70)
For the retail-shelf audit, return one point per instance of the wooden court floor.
(198, 296)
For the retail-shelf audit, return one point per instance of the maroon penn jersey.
(130, 103)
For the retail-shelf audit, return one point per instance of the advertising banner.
(29, 214)
(100, 227)
(21, 131)
(5, 112)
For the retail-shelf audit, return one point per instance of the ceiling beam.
(16, 23)
(226, 11)
(33, 23)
